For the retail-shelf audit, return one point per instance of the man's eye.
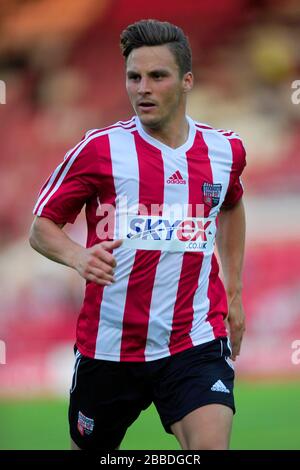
(134, 77)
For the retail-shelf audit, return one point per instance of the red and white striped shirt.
(168, 296)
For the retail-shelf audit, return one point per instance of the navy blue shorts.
(106, 397)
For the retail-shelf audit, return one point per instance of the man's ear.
(188, 82)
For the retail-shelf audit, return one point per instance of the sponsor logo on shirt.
(166, 234)
(175, 227)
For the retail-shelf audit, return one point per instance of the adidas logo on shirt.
(219, 387)
(176, 178)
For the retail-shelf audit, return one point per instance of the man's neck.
(173, 134)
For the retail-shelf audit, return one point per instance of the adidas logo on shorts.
(219, 387)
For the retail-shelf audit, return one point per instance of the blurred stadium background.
(64, 74)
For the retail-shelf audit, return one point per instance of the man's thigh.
(200, 378)
(206, 428)
(105, 399)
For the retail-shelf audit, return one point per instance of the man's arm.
(231, 243)
(93, 264)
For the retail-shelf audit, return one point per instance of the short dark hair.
(158, 33)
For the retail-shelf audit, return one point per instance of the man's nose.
(144, 86)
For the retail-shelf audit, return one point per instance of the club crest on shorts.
(211, 193)
(85, 425)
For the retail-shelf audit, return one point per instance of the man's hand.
(94, 264)
(236, 322)
(97, 264)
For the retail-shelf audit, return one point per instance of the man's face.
(154, 86)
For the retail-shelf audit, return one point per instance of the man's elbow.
(33, 236)
(233, 207)
(39, 232)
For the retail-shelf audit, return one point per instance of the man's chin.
(149, 121)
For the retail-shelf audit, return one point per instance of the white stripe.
(125, 169)
(126, 181)
(60, 180)
(50, 182)
(201, 330)
(229, 344)
(74, 379)
(164, 292)
(229, 362)
(64, 173)
(109, 336)
(162, 304)
(88, 133)
(123, 124)
(220, 156)
(77, 353)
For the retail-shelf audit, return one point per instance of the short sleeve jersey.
(163, 203)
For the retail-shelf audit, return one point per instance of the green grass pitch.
(268, 417)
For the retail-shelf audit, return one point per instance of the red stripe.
(137, 305)
(65, 162)
(70, 154)
(237, 162)
(217, 301)
(183, 310)
(199, 170)
(88, 322)
(233, 144)
(228, 133)
(63, 166)
(236, 166)
(142, 276)
(151, 189)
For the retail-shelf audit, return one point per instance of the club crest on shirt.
(211, 193)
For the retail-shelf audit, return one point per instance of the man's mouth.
(146, 105)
